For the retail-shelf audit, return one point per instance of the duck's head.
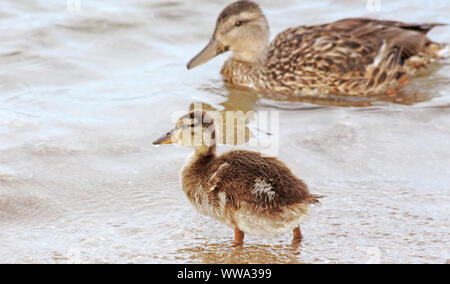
(241, 28)
(195, 129)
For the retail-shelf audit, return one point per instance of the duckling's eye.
(238, 23)
(189, 125)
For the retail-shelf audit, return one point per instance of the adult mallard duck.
(354, 57)
(254, 194)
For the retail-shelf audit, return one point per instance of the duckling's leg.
(238, 237)
(297, 236)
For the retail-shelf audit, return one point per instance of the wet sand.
(84, 93)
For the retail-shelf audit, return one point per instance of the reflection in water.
(297, 103)
(236, 113)
(286, 102)
(237, 101)
(247, 100)
(210, 253)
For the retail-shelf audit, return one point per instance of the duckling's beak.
(214, 48)
(165, 139)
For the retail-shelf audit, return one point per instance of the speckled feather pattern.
(357, 57)
(258, 194)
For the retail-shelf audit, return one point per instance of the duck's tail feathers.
(424, 28)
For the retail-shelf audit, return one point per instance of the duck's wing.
(353, 24)
(402, 39)
(351, 54)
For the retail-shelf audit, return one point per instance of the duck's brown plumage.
(349, 57)
(357, 56)
(254, 194)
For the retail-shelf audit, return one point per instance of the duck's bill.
(166, 139)
(213, 49)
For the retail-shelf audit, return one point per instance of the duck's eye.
(238, 23)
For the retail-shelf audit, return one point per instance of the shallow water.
(84, 93)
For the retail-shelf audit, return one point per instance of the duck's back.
(351, 56)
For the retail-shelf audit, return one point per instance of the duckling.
(351, 57)
(254, 194)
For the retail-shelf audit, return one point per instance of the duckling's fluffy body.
(356, 56)
(259, 195)
(252, 193)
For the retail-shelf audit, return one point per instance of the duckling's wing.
(262, 181)
(350, 54)
(221, 172)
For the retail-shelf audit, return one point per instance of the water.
(84, 93)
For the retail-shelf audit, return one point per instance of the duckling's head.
(241, 28)
(195, 129)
